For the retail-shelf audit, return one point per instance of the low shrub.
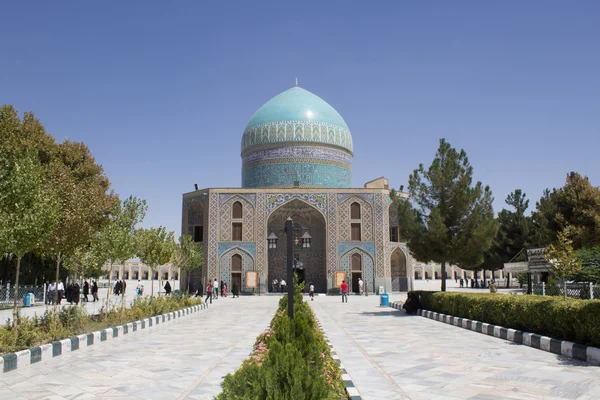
(565, 319)
(290, 360)
(73, 320)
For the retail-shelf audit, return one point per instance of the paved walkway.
(390, 355)
(183, 359)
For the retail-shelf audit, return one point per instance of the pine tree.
(447, 220)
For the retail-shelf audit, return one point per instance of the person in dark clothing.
(95, 291)
(209, 292)
(412, 303)
(234, 290)
(123, 287)
(76, 293)
(167, 288)
(86, 290)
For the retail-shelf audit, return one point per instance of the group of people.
(72, 293)
(278, 286)
(120, 287)
(212, 290)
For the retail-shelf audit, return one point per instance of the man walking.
(360, 286)
(216, 288)
(209, 292)
(344, 288)
(311, 292)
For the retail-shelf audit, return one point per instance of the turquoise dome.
(296, 139)
(296, 104)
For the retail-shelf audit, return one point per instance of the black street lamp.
(291, 261)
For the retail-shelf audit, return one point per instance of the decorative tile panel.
(368, 247)
(367, 267)
(368, 197)
(308, 175)
(249, 247)
(381, 239)
(213, 223)
(261, 240)
(225, 219)
(366, 220)
(225, 266)
(319, 201)
(332, 230)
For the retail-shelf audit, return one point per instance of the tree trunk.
(443, 276)
(108, 289)
(151, 284)
(58, 259)
(188, 282)
(16, 294)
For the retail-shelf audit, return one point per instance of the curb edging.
(580, 352)
(353, 392)
(12, 361)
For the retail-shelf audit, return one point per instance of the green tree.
(564, 262)
(514, 232)
(82, 191)
(448, 219)
(187, 256)
(117, 238)
(576, 205)
(590, 260)
(28, 213)
(154, 247)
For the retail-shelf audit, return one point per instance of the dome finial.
(296, 81)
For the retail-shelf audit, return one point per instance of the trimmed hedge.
(290, 361)
(571, 319)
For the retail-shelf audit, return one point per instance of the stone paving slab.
(185, 359)
(390, 355)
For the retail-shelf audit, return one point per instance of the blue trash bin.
(384, 300)
(27, 300)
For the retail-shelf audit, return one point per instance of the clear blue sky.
(161, 91)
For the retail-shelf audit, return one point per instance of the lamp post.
(290, 266)
(291, 262)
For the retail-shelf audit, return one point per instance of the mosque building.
(297, 162)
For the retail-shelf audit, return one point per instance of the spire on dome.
(296, 81)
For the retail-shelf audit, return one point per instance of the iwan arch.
(297, 162)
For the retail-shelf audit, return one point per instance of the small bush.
(565, 319)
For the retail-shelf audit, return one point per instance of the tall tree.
(187, 256)
(514, 232)
(82, 190)
(155, 247)
(448, 219)
(563, 260)
(575, 206)
(117, 238)
(28, 211)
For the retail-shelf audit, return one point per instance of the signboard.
(537, 256)
(516, 267)
(251, 279)
(340, 276)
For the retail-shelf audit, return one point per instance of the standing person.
(344, 288)
(283, 284)
(76, 293)
(123, 286)
(167, 288)
(311, 292)
(275, 285)
(86, 290)
(95, 291)
(51, 290)
(234, 290)
(209, 292)
(216, 289)
(61, 291)
(138, 288)
(360, 286)
(461, 282)
(222, 288)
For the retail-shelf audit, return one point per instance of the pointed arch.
(399, 270)
(367, 272)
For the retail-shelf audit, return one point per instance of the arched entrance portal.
(399, 277)
(310, 262)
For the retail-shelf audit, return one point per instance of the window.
(356, 262)
(393, 234)
(417, 275)
(198, 233)
(236, 210)
(355, 211)
(236, 263)
(236, 231)
(355, 231)
(435, 274)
